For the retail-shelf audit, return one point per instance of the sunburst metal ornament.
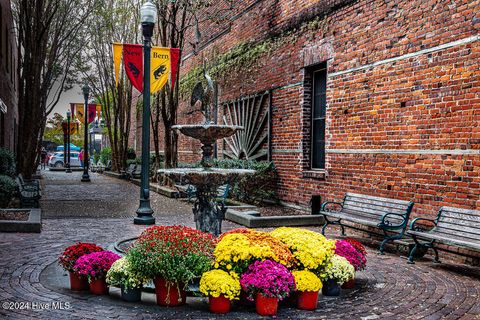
(252, 113)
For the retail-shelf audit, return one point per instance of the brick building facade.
(8, 78)
(399, 111)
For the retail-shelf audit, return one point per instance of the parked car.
(56, 160)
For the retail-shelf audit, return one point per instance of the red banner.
(92, 112)
(174, 59)
(133, 62)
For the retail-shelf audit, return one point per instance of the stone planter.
(32, 224)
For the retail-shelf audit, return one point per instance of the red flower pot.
(99, 286)
(78, 283)
(266, 306)
(350, 284)
(168, 293)
(219, 304)
(307, 300)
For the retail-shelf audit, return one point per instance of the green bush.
(105, 155)
(131, 154)
(7, 162)
(7, 189)
(255, 187)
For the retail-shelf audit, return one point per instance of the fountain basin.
(207, 133)
(212, 177)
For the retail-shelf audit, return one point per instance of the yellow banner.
(160, 68)
(80, 112)
(117, 59)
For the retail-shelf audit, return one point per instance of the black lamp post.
(85, 176)
(148, 17)
(67, 165)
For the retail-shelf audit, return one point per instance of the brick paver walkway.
(388, 289)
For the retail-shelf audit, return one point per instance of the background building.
(8, 78)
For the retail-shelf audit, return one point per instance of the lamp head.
(86, 90)
(148, 13)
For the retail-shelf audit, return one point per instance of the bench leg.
(324, 226)
(343, 229)
(436, 260)
(412, 254)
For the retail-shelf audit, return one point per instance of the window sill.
(320, 174)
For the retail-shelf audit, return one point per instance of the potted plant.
(338, 272)
(95, 266)
(311, 250)
(121, 275)
(172, 256)
(268, 282)
(68, 259)
(356, 258)
(220, 287)
(308, 285)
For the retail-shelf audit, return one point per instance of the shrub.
(215, 283)
(255, 187)
(7, 190)
(269, 278)
(71, 254)
(131, 154)
(7, 162)
(121, 275)
(175, 253)
(95, 265)
(105, 155)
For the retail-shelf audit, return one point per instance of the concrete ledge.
(251, 220)
(112, 174)
(33, 224)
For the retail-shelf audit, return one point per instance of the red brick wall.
(403, 113)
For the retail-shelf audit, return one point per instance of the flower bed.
(264, 267)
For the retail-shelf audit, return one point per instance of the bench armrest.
(415, 227)
(325, 204)
(385, 223)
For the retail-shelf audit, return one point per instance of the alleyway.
(388, 289)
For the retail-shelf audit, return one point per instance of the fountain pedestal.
(208, 214)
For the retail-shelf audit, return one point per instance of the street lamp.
(85, 176)
(148, 17)
(67, 165)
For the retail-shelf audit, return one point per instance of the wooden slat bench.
(453, 226)
(389, 215)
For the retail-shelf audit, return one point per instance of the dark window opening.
(319, 103)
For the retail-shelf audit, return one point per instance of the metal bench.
(130, 170)
(389, 215)
(137, 173)
(29, 193)
(453, 226)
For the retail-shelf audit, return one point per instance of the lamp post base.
(68, 170)
(144, 214)
(85, 177)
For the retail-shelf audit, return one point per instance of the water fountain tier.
(208, 214)
(207, 134)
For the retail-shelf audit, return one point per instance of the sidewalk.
(102, 212)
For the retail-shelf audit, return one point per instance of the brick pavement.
(388, 289)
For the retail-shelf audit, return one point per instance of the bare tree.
(49, 36)
(112, 21)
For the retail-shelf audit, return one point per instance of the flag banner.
(174, 60)
(72, 110)
(80, 113)
(99, 111)
(160, 68)
(133, 63)
(92, 112)
(73, 128)
(117, 60)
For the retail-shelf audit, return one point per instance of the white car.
(56, 160)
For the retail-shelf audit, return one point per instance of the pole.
(68, 170)
(85, 176)
(144, 211)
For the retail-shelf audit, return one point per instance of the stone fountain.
(208, 214)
